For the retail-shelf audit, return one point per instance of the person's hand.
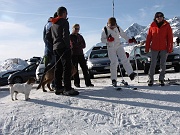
(110, 39)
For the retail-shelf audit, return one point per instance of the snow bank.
(12, 65)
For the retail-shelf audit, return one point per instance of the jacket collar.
(54, 20)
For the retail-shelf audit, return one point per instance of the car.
(23, 75)
(143, 60)
(99, 63)
(34, 60)
(40, 70)
(4, 78)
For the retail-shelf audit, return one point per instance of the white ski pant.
(114, 53)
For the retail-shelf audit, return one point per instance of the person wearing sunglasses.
(159, 41)
(111, 36)
(77, 46)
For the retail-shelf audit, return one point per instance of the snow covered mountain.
(134, 29)
(140, 32)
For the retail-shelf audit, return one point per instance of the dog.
(24, 88)
(48, 77)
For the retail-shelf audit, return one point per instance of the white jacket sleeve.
(103, 37)
(123, 34)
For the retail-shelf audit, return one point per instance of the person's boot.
(161, 82)
(71, 92)
(114, 83)
(132, 75)
(150, 83)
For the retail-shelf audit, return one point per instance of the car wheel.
(177, 68)
(17, 80)
(146, 68)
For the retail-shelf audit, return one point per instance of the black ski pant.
(79, 59)
(62, 69)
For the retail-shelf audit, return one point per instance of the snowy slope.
(96, 111)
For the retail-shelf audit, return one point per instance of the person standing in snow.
(60, 37)
(160, 41)
(77, 46)
(48, 52)
(111, 36)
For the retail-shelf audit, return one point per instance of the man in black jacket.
(61, 47)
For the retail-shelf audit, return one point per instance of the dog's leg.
(16, 95)
(49, 87)
(12, 93)
(27, 96)
(43, 86)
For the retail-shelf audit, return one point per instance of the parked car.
(40, 70)
(23, 75)
(4, 78)
(144, 59)
(99, 63)
(34, 60)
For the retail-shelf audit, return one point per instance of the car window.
(6, 75)
(142, 50)
(31, 67)
(99, 54)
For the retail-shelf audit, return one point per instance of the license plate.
(106, 67)
(168, 63)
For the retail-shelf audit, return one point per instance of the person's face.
(76, 29)
(111, 26)
(65, 15)
(159, 18)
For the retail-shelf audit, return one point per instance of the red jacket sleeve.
(148, 40)
(170, 40)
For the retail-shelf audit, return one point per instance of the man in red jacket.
(160, 41)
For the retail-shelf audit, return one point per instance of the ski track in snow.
(96, 111)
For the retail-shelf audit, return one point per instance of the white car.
(40, 70)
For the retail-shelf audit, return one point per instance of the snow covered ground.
(96, 111)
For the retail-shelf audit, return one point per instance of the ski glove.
(110, 38)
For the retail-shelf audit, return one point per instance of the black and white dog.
(24, 88)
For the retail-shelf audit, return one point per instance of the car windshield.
(99, 54)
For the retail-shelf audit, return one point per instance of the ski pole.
(136, 62)
(125, 83)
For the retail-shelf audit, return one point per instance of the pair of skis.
(124, 84)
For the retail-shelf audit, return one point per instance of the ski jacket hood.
(159, 38)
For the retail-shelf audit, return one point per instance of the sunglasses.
(76, 28)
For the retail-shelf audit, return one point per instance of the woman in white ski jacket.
(111, 36)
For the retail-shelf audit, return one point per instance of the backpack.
(105, 29)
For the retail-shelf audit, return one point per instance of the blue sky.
(22, 21)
